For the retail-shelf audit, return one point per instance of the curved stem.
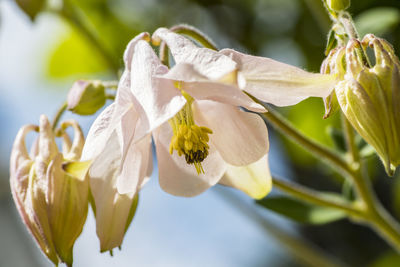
(195, 34)
(58, 115)
(282, 125)
(375, 214)
(110, 96)
(315, 197)
(371, 211)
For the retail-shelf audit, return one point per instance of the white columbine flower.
(200, 133)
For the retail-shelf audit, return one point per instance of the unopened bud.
(370, 95)
(51, 194)
(338, 5)
(86, 97)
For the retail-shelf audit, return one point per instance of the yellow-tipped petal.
(254, 179)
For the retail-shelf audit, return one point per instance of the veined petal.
(254, 179)
(206, 61)
(113, 210)
(278, 83)
(158, 100)
(67, 198)
(241, 138)
(179, 178)
(130, 48)
(201, 88)
(135, 166)
(99, 134)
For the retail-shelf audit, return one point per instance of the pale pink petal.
(99, 133)
(278, 83)
(47, 144)
(135, 166)
(149, 167)
(130, 48)
(126, 129)
(240, 137)
(19, 153)
(201, 88)
(124, 96)
(179, 178)
(254, 179)
(158, 100)
(206, 61)
(112, 208)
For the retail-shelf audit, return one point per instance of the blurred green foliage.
(293, 31)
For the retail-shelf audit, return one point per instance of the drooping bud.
(370, 95)
(338, 5)
(51, 194)
(86, 97)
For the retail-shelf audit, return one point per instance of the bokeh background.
(42, 54)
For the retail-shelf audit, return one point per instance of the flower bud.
(338, 5)
(51, 194)
(86, 97)
(369, 97)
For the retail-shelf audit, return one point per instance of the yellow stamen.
(189, 139)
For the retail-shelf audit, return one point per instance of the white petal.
(206, 61)
(254, 179)
(240, 137)
(179, 178)
(278, 83)
(199, 87)
(135, 166)
(159, 100)
(112, 208)
(130, 48)
(99, 133)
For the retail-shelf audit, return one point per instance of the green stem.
(110, 84)
(58, 115)
(70, 15)
(109, 96)
(315, 197)
(195, 34)
(370, 211)
(336, 161)
(374, 213)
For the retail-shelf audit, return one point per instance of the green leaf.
(300, 211)
(31, 7)
(378, 21)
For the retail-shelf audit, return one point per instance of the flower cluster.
(204, 124)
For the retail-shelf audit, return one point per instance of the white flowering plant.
(206, 112)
